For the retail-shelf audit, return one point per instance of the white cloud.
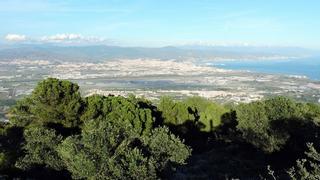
(15, 37)
(62, 37)
(71, 38)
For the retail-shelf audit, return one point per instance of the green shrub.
(40, 149)
(52, 101)
(111, 149)
(268, 124)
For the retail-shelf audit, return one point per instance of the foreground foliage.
(56, 134)
(63, 136)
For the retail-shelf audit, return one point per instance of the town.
(153, 78)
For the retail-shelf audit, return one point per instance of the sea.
(309, 67)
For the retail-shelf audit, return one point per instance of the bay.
(309, 67)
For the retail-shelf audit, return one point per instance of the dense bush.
(56, 134)
(130, 110)
(205, 114)
(52, 101)
(98, 137)
(256, 128)
(112, 150)
(307, 168)
(10, 146)
(269, 124)
(40, 149)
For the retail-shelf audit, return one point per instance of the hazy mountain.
(258, 50)
(101, 52)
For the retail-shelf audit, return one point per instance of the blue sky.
(163, 22)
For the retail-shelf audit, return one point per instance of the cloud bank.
(63, 38)
(15, 37)
(71, 38)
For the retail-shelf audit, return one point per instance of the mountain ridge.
(105, 52)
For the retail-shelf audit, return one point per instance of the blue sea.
(309, 67)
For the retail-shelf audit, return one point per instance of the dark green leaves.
(40, 149)
(269, 124)
(110, 149)
(97, 137)
(52, 101)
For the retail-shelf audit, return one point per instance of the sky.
(162, 22)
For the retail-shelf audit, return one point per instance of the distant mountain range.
(102, 53)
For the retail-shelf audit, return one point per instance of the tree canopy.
(55, 133)
(97, 137)
(52, 101)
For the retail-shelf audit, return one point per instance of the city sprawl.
(152, 78)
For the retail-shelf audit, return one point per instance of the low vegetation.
(55, 133)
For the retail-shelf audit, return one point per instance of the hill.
(102, 52)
